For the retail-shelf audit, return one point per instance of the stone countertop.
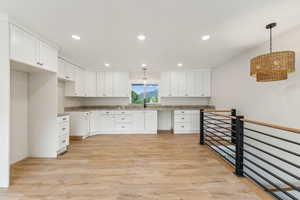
(138, 107)
(62, 114)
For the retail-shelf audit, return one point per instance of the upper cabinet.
(66, 70)
(27, 49)
(186, 84)
(113, 84)
(90, 84)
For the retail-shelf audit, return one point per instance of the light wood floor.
(128, 167)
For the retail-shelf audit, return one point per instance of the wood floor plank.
(128, 167)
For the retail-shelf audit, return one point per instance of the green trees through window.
(139, 92)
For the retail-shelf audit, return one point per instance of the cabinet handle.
(42, 64)
(63, 129)
(123, 119)
(64, 141)
(182, 118)
(64, 119)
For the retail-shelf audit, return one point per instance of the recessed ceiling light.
(75, 37)
(107, 65)
(205, 37)
(144, 65)
(179, 64)
(142, 37)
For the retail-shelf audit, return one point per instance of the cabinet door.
(151, 121)
(108, 84)
(107, 123)
(61, 69)
(100, 84)
(178, 84)
(79, 89)
(120, 84)
(194, 83)
(79, 124)
(206, 83)
(95, 122)
(90, 84)
(69, 71)
(48, 57)
(165, 86)
(24, 47)
(138, 120)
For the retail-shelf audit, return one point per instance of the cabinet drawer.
(182, 118)
(182, 126)
(62, 142)
(123, 119)
(63, 119)
(181, 112)
(123, 127)
(122, 112)
(106, 112)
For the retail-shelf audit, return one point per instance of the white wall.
(272, 102)
(42, 109)
(19, 122)
(275, 102)
(4, 101)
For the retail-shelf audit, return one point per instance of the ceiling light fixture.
(107, 65)
(273, 66)
(75, 37)
(179, 64)
(205, 37)
(141, 37)
(144, 65)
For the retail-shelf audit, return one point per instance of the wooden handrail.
(272, 126)
(221, 115)
(216, 110)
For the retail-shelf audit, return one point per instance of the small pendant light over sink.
(273, 66)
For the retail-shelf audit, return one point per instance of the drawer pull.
(63, 129)
(64, 141)
(123, 119)
(182, 118)
(64, 119)
(182, 126)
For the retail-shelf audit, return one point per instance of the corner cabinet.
(186, 84)
(27, 49)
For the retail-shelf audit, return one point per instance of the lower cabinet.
(186, 121)
(123, 122)
(63, 133)
(80, 124)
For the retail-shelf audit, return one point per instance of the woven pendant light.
(273, 66)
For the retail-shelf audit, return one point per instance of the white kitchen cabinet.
(120, 84)
(69, 71)
(66, 71)
(206, 82)
(151, 121)
(80, 124)
(61, 69)
(165, 84)
(27, 49)
(108, 84)
(113, 84)
(186, 121)
(23, 46)
(178, 84)
(123, 122)
(107, 121)
(138, 121)
(76, 88)
(100, 84)
(63, 133)
(186, 84)
(48, 57)
(90, 84)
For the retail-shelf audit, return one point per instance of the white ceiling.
(109, 29)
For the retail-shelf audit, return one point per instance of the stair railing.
(257, 150)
